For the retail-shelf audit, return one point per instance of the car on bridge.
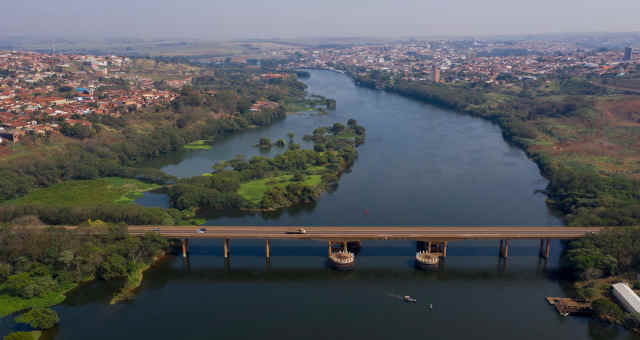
(201, 230)
(297, 231)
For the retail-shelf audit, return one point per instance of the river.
(420, 165)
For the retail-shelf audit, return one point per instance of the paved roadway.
(368, 232)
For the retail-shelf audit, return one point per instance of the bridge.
(434, 239)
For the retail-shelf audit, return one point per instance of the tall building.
(627, 53)
(436, 74)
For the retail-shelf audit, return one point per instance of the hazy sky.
(231, 19)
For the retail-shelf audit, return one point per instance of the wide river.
(420, 165)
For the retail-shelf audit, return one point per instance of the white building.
(627, 297)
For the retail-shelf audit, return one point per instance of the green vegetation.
(584, 141)
(33, 335)
(38, 265)
(39, 318)
(65, 180)
(201, 144)
(88, 192)
(597, 261)
(253, 191)
(13, 303)
(296, 176)
(132, 282)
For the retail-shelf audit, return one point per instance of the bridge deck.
(369, 232)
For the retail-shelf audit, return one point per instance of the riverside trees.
(295, 176)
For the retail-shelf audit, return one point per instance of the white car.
(202, 230)
(298, 231)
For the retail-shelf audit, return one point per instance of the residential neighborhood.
(41, 92)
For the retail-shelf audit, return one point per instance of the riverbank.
(134, 280)
(586, 145)
(596, 263)
(269, 184)
(12, 304)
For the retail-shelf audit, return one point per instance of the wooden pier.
(568, 306)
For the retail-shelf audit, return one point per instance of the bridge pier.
(268, 250)
(330, 249)
(545, 248)
(444, 249)
(185, 246)
(504, 248)
(226, 248)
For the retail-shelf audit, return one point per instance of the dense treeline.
(598, 260)
(334, 151)
(43, 262)
(615, 251)
(114, 213)
(584, 196)
(118, 146)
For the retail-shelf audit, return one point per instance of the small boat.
(408, 298)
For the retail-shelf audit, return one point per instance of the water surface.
(420, 165)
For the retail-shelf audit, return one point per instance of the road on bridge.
(369, 232)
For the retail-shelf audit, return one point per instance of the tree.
(25, 286)
(264, 143)
(114, 266)
(604, 307)
(40, 318)
(337, 128)
(280, 143)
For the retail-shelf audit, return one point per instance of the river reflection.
(474, 296)
(420, 165)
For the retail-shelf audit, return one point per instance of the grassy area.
(88, 192)
(11, 304)
(198, 145)
(295, 107)
(253, 191)
(34, 335)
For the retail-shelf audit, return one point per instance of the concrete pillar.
(547, 250)
(226, 248)
(444, 249)
(330, 250)
(504, 248)
(429, 247)
(268, 249)
(344, 246)
(185, 245)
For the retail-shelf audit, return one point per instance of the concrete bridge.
(435, 239)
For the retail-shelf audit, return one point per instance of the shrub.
(40, 318)
(26, 286)
(606, 307)
(19, 336)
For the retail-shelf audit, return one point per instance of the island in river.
(267, 184)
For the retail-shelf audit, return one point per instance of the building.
(627, 53)
(627, 297)
(436, 74)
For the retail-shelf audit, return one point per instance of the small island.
(267, 184)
